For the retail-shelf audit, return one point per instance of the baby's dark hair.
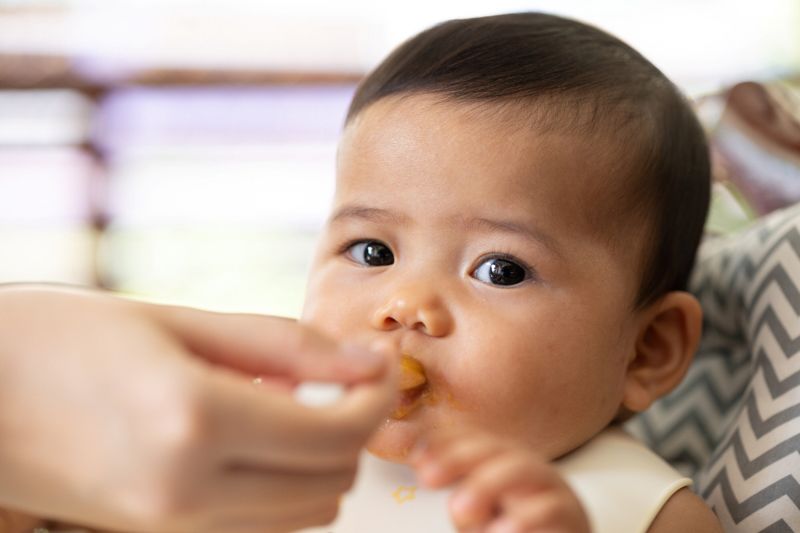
(574, 77)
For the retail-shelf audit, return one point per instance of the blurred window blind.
(215, 195)
(47, 180)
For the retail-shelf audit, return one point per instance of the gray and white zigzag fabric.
(734, 423)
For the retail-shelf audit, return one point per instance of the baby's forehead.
(511, 140)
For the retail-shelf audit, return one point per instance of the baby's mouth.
(413, 384)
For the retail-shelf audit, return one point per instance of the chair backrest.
(734, 423)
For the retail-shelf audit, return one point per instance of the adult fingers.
(275, 519)
(262, 428)
(257, 344)
(246, 487)
(272, 501)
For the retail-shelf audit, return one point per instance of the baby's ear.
(665, 345)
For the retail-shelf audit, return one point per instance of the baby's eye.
(371, 253)
(500, 271)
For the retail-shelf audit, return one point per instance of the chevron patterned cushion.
(734, 423)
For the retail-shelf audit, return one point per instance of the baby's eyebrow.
(372, 214)
(527, 231)
(387, 216)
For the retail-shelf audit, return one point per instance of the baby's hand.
(503, 487)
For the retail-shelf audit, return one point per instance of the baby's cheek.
(321, 321)
(477, 394)
(325, 314)
(505, 401)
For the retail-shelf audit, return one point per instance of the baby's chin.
(394, 440)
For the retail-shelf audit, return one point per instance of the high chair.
(733, 425)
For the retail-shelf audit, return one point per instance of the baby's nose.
(414, 307)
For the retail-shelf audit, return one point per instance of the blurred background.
(183, 151)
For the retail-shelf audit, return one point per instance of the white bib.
(386, 498)
(620, 482)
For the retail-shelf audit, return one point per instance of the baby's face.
(463, 240)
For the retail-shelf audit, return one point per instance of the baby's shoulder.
(685, 511)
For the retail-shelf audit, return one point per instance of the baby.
(518, 204)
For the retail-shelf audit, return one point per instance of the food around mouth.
(412, 374)
(411, 386)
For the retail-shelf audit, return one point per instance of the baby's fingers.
(480, 495)
(447, 460)
(546, 512)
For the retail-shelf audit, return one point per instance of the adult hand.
(125, 415)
